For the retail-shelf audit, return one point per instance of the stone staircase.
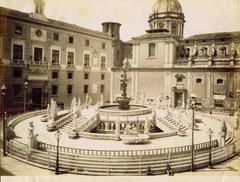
(68, 127)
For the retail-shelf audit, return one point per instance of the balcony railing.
(86, 67)
(55, 65)
(71, 66)
(17, 62)
(38, 64)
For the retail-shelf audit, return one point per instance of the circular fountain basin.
(113, 110)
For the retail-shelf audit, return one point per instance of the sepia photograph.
(120, 90)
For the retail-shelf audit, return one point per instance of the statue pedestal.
(124, 103)
(73, 134)
(51, 126)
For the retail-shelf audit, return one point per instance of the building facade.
(61, 61)
(167, 68)
(56, 59)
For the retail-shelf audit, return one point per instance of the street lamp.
(4, 115)
(192, 106)
(238, 98)
(25, 97)
(210, 133)
(57, 136)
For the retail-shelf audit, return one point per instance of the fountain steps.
(69, 127)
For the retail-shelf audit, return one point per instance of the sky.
(202, 16)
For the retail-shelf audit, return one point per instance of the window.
(87, 43)
(17, 52)
(199, 80)
(56, 36)
(54, 90)
(174, 29)
(102, 88)
(220, 81)
(85, 89)
(103, 61)
(103, 46)
(218, 103)
(179, 79)
(70, 75)
(17, 88)
(69, 89)
(55, 56)
(86, 60)
(86, 76)
(151, 51)
(54, 75)
(160, 25)
(17, 73)
(18, 29)
(70, 40)
(102, 76)
(70, 58)
(38, 54)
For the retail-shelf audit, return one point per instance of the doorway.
(178, 99)
(36, 98)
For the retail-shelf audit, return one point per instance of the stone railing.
(64, 120)
(22, 117)
(88, 124)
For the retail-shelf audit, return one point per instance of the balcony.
(71, 66)
(103, 68)
(38, 64)
(55, 66)
(86, 67)
(17, 63)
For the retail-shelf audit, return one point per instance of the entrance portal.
(37, 97)
(178, 99)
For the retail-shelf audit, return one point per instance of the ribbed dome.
(167, 6)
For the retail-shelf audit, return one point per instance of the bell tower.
(39, 6)
(39, 10)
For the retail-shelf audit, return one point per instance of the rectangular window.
(17, 89)
(86, 60)
(54, 89)
(87, 43)
(17, 73)
(102, 76)
(103, 61)
(86, 76)
(54, 75)
(38, 54)
(85, 89)
(55, 56)
(102, 88)
(70, 58)
(18, 29)
(70, 75)
(103, 46)
(199, 80)
(17, 52)
(69, 89)
(151, 51)
(218, 103)
(220, 82)
(70, 40)
(174, 29)
(56, 36)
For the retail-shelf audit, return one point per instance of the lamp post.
(238, 98)
(4, 116)
(210, 133)
(193, 106)
(25, 97)
(57, 135)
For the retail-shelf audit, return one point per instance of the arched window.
(179, 79)
(174, 29)
(187, 52)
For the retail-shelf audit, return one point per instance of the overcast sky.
(202, 16)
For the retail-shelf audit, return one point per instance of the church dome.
(167, 6)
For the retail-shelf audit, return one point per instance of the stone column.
(146, 126)
(117, 130)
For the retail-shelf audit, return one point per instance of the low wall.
(125, 162)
